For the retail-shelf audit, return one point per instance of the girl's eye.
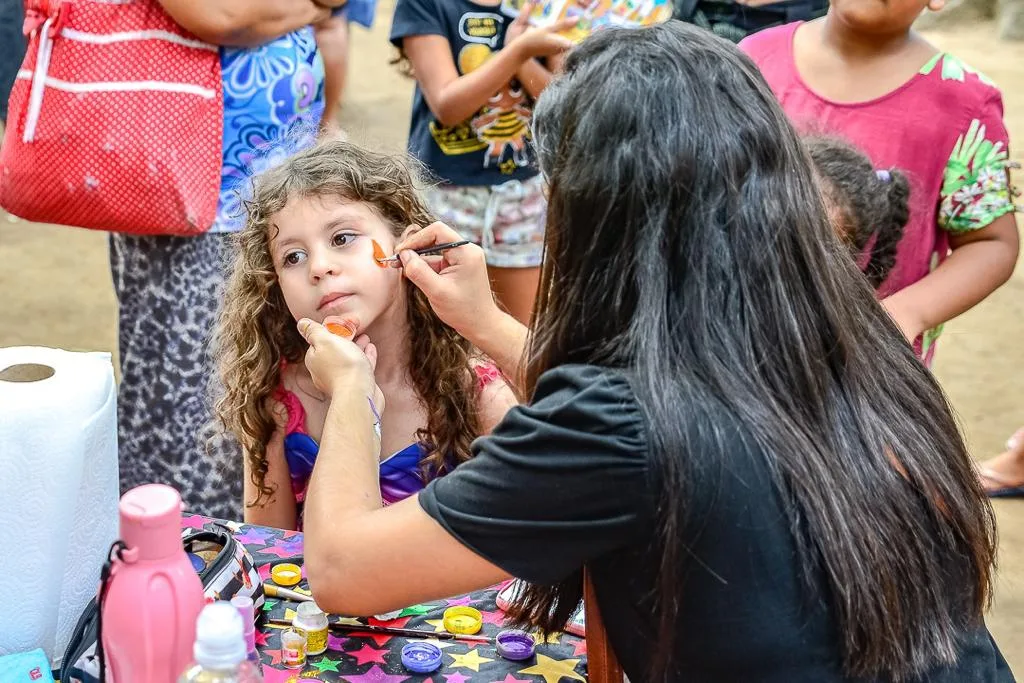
(293, 258)
(342, 239)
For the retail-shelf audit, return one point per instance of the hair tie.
(883, 175)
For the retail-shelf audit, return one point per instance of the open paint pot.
(515, 645)
(421, 658)
(463, 620)
(286, 574)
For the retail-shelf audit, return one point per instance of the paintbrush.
(426, 251)
(393, 631)
(277, 592)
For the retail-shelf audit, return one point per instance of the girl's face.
(323, 255)
(881, 16)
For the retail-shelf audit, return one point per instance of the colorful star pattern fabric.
(416, 611)
(377, 658)
(554, 670)
(367, 654)
(375, 675)
(470, 660)
(326, 664)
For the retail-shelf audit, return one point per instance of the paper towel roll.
(58, 490)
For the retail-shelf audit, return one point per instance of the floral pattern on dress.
(954, 69)
(931, 336)
(976, 185)
(273, 101)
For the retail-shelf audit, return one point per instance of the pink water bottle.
(154, 596)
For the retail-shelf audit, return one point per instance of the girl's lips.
(332, 298)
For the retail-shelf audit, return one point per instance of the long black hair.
(870, 206)
(688, 245)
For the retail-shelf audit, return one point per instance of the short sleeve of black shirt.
(417, 18)
(559, 482)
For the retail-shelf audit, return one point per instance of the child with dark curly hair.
(869, 207)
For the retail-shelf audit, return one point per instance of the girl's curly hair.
(256, 333)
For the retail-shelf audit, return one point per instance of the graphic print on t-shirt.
(502, 126)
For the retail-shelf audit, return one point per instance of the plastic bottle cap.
(515, 645)
(308, 610)
(421, 658)
(246, 610)
(243, 604)
(463, 620)
(286, 574)
(219, 640)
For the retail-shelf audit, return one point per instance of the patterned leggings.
(168, 290)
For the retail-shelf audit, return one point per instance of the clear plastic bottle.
(220, 651)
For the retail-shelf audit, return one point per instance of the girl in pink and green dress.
(862, 74)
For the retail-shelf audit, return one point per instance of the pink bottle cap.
(245, 607)
(151, 521)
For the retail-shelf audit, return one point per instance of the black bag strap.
(116, 550)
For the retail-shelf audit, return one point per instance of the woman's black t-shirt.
(566, 480)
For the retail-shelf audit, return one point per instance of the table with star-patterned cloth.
(374, 658)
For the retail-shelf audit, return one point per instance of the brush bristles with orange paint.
(393, 260)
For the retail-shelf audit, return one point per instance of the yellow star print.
(554, 670)
(470, 660)
(438, 625)
(539, 639)
(289, 614)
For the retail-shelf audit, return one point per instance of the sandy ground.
(55, 286)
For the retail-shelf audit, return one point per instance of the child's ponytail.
(869, 208)
(893, 217)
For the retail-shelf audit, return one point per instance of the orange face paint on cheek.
(378, 254)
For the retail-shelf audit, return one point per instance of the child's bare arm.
(981, 261)
(534, 74)
(332, 40)
(279, 509)
(453, 98)
(535, 77)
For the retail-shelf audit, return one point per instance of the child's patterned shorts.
(507, 220)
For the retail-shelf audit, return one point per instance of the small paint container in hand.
(421, 658)
(293, 649)
(515, 645)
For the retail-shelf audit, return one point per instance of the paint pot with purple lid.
(515, 645)
(421, 658)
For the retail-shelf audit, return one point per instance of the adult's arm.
(360, 558)
(459, 291)
(532, 503)
(246, 23)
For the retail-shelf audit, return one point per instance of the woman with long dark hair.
(725, 427)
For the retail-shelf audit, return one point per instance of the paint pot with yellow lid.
(463, 620)
(286, 574)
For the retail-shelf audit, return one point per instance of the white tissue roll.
(58, 490)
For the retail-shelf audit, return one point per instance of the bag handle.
(602, 664)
